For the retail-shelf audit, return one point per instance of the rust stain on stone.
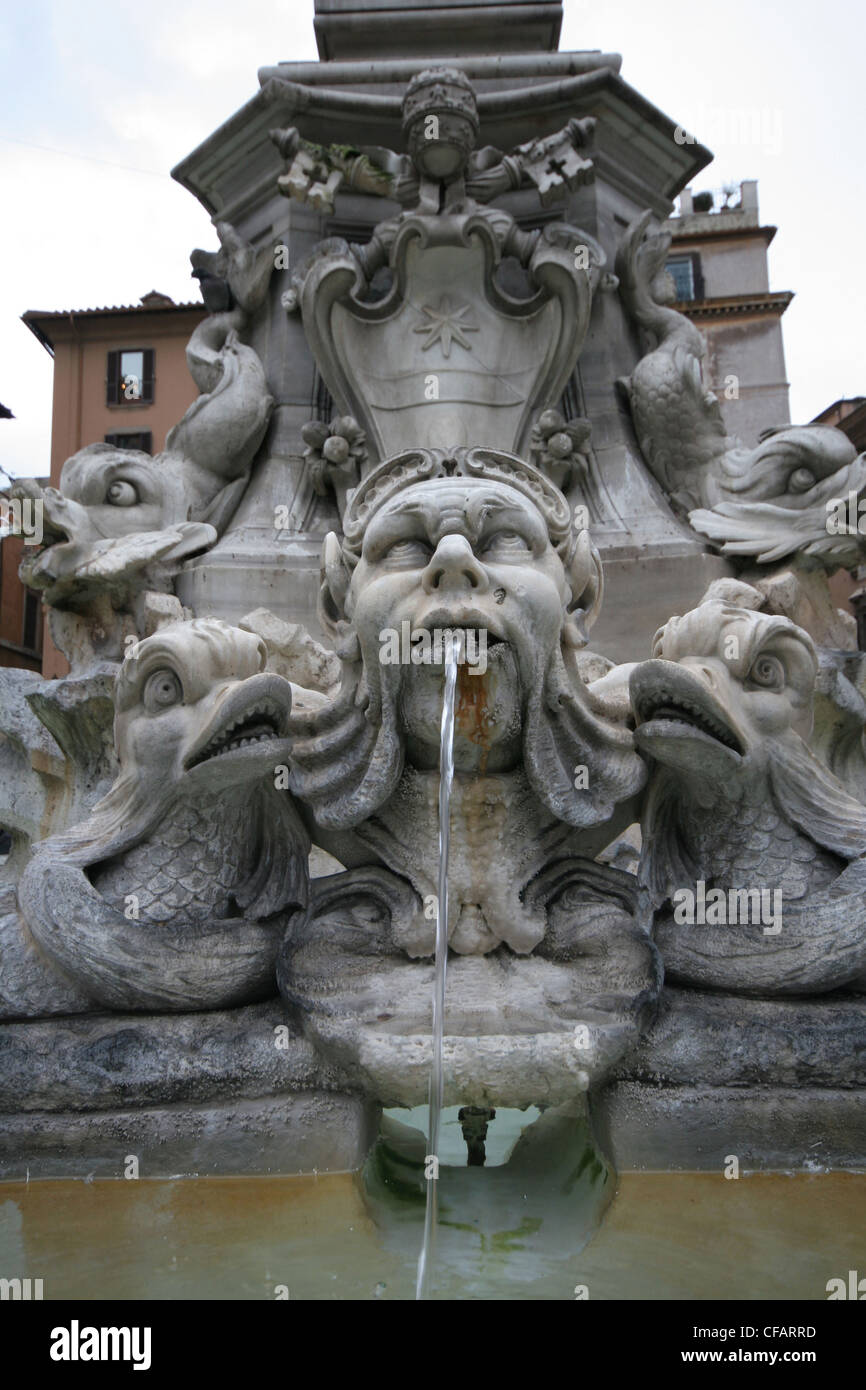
(473, 712)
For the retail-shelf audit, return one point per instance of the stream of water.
(446, 777)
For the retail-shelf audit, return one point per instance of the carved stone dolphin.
(172, 894)
(738, 802)
(766, 501)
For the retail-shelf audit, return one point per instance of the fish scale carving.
(752, 847)
(188, 872)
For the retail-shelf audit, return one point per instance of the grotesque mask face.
(465, 554)
(486, 548)
(460, 552)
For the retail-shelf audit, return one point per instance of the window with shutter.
(112, 379)
(131, 376)
(30, 627)
(148, 374)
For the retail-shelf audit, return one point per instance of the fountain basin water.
(666, 1236)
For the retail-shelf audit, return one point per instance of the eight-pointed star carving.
(446, 325)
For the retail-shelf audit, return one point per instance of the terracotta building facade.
(120, 376)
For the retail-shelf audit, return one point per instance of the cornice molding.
(735, 305)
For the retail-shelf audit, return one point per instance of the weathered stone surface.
(766, 502)
(306, 1132)
(394, 31)
(79, 712)
(803, 595)
(701, 1127)
(117, 1062)
(293, 653)
(839, 736)
(32, 771)
(29, 986)
(520, 1030)
(56, 754)
(702, 1039)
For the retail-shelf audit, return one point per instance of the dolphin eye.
(769, 673)
(121, 494)
(162, 690)
(801, 480)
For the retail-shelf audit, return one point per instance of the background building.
(21, 621)
(718, 261)
(120, 376)
(20, 615)
(849, 416)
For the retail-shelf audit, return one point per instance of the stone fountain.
(442, 391)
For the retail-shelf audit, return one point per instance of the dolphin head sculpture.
(739, 805)
(119, 521)
(724, 712)
(172, 894)
(725, 686)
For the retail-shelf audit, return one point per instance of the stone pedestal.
(651, 559)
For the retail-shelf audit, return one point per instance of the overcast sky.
(774, 87)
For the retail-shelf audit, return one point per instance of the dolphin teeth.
(665, 704)
(254, 725)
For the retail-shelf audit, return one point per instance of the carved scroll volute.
(569, 278)
(331, 275)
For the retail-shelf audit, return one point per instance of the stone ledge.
(99, 1062)
(719, 1040)
(312, 1131)
(663, 1128)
